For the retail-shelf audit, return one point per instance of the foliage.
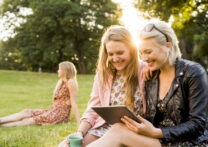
(30, 90)
(10, 59)
(59, 30)
(190, 23)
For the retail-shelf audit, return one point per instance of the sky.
(131, 18)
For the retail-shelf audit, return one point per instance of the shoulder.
(96, 77)
(191, 68)
(99, 77)
(71, 83)
(59, 81)
(141, 65)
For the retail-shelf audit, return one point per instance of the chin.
(119, 68)
(154, 68)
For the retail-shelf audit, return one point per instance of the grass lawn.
(28, 90)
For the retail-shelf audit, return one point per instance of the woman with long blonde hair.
(117, 82)
(64, 98)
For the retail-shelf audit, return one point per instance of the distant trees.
(190, 23)
(58, 30)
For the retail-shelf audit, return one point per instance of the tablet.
(113, 114)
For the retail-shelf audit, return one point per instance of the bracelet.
(81, 132)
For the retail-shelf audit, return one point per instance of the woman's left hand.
(146, 73)
(144, 127)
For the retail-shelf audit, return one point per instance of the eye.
(148, 51)
(120, 52)
(110, 54)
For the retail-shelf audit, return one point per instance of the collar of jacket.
(179, 74)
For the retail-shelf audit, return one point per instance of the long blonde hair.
(69, 71)
(105, 70)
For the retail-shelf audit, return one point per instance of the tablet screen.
(113, 114)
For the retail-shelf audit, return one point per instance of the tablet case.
(113, 114)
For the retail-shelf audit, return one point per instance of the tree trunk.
(81, 62)
(82, 66)
(182, 45)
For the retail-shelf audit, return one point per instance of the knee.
(116, 129)
(28, 121)
(88, 139)
(26, 111)
(84, 142)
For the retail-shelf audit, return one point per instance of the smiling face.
(153, 54)
(118, 55)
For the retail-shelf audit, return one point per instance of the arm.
(197, 100)
(89, 117)
(195, 125)
(72, 86)
(146, 73)
(82, 131)
(84, 127)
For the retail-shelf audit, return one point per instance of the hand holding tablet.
(113, 114)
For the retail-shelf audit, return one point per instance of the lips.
(151, 64)
(118, 64)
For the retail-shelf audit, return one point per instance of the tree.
(190, 23)
(60, 30)
(10, 59)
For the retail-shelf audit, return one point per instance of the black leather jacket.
(187, 105)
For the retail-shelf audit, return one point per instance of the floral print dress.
(117, 97)
(59, 111)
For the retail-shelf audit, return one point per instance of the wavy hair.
(105, 69)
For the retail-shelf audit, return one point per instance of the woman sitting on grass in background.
(64, 98)
(117, 82)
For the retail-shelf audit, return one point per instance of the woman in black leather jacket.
(176, 97)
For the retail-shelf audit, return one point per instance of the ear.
(169, 45)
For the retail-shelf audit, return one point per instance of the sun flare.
(131, 18)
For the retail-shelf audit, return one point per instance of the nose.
(144, 58)
(115, 58)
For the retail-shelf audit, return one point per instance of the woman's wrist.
(157, 133)
(82, 132)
